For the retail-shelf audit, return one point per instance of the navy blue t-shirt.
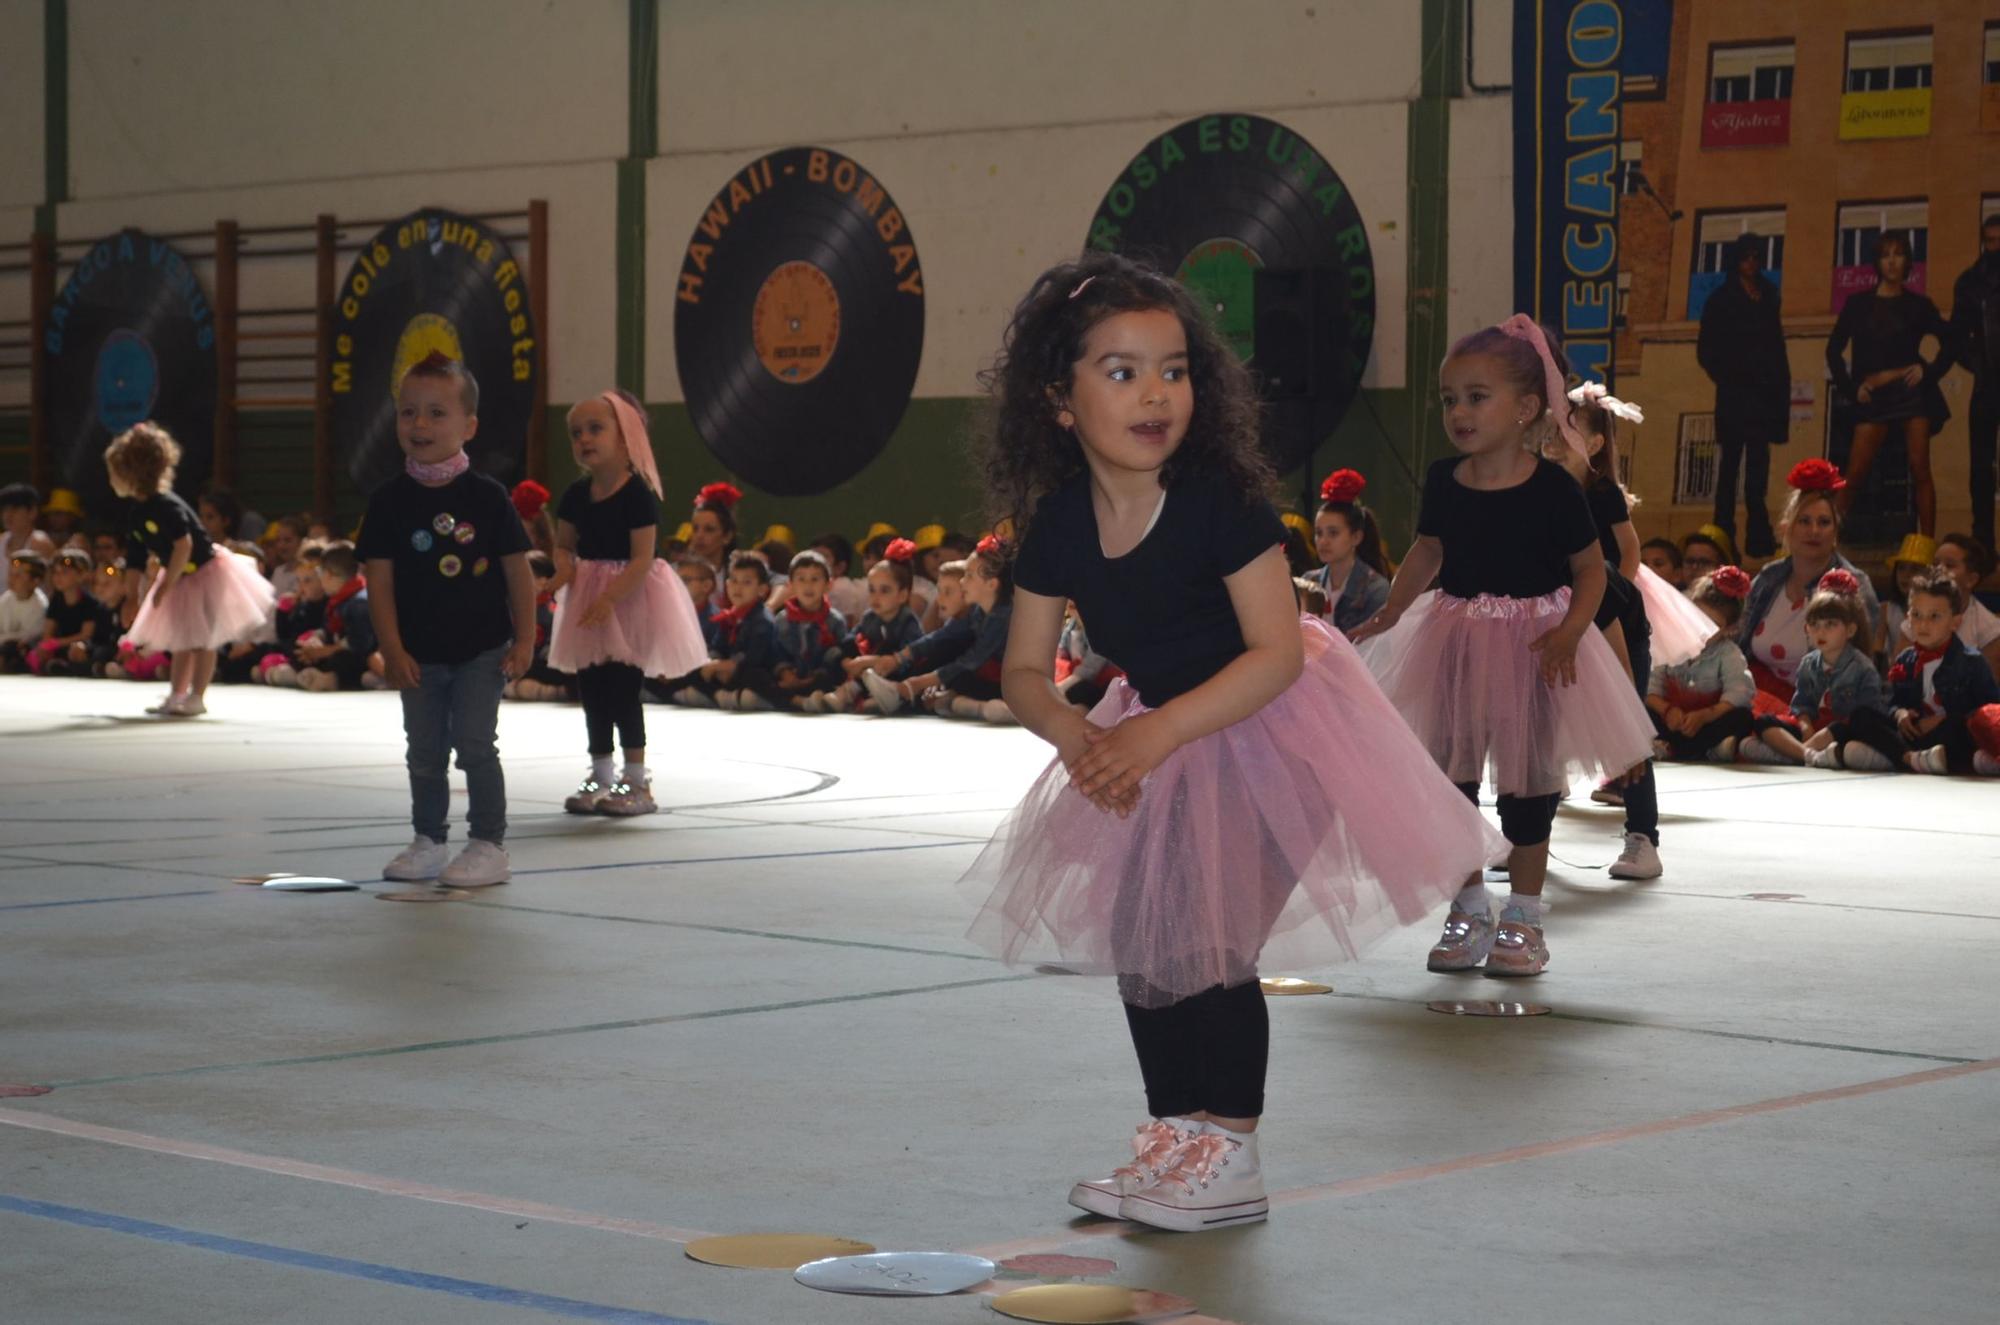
(1161, 612)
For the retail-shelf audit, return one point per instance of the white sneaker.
(1854, 754)
(1639, 860)
(284, 674)
(420, 860)
(1155, 1146)
(370, 681)
(1929, 761)
(187, 706)
(318, 679)
(1827, 758)
(1215, 1182)
(1754, 751)
(481, 865)
(749, 701)
(883, 691)
(996, 712)
(1985, 764)
(726, 700)
(165, 708)
(1723, 751)
(690, 698)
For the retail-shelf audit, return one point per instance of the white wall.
(756, 73)
(207, 93)
(1480, 203)
(1492, 48)
(21, 132)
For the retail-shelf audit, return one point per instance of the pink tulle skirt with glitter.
(1470, 687)
(1680, 629)
(226, 601)
(654, 629)
(1302, 832)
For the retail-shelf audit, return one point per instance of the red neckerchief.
(726, 623)
(793, 612)
(1925, 657)
(346, 591)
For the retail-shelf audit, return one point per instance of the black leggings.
(1642, 796)
(610, 694)
(1878, 731)
(1206, 1053)
(1525, 821)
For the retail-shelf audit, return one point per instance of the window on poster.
(1989, 93)
(1694, 461)
(1631, 160)
(1715, 234)
(1750, 73)
(1884, 64)
(1861, 224)
(1992, 64)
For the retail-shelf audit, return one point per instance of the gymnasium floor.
(1768, 1093)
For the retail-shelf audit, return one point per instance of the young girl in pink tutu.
(196, 597)
(1243, 785)
(1503, 678)
(622, 614)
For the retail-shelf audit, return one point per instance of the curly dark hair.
(144, 456)
(1024, 454)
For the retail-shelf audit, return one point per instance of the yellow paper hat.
(64, 501)
(929, 537)
(876, 530)
(1293, 520)
(780, 533)
(684, 534)
(1917, 550)
(1722, 540)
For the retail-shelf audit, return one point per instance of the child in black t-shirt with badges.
(1505, 677)
(453, 604)
(1244, 779)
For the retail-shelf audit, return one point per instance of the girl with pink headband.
(621, 613)
(1502, 676)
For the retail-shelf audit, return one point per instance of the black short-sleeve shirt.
(157, 524)
(446, 545)
(70, 618)
(604, 528)
(1161, 611)
(1621, 602)
(1513, 542)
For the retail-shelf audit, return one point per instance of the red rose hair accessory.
(1342, 485)
(1816, 476)
(1839, 581)
(901, 551)
(1732, 581)
(725, 495)
(529, 498)
(990, 545)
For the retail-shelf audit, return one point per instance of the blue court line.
(731, 860)
(568, 1307)
(94, 901)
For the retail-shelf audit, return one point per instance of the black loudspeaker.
(1290, 339)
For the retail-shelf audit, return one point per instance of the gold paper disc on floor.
(772, 1251)
(1285, 984)
(1487, 1008)
(1090, 1304)
(424, 895)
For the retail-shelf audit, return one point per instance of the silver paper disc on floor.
(897, 1273)
(309, 883)
(1487, 1008)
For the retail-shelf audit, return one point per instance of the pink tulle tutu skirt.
(1302, 832)
(226, 601)
(1680, 629)
(1471, 689)
(654, 629)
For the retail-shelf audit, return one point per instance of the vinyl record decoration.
(799, 321)
(434, 280)
(1217, 199)
(130, 337)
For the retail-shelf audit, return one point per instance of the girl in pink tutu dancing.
(1503, 678)
(197, 597)
(622, 615)
(1244, 789)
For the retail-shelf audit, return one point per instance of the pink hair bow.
(1522, 327)
(1595, 393)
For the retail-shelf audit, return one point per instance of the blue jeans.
(457, 706)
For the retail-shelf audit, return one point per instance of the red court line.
(1515, 1154)
(367, 1182)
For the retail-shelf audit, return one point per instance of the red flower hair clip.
(990, 545)
(901, 551)
(529, 498)
(1731, 581)
(1816, 476)
(725, 495)
(1342, 485)
(1839, 581)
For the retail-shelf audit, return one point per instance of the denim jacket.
(1719, 674)
(943, 644)
(798, 642)
(883, 637)
(754, 642)
(1851, 684)
(1770, 582)
(1365, 593)
(1962, 683)
(989, 645)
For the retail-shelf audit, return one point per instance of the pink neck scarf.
(1555, 391)
(444, 471)
(638, 445)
